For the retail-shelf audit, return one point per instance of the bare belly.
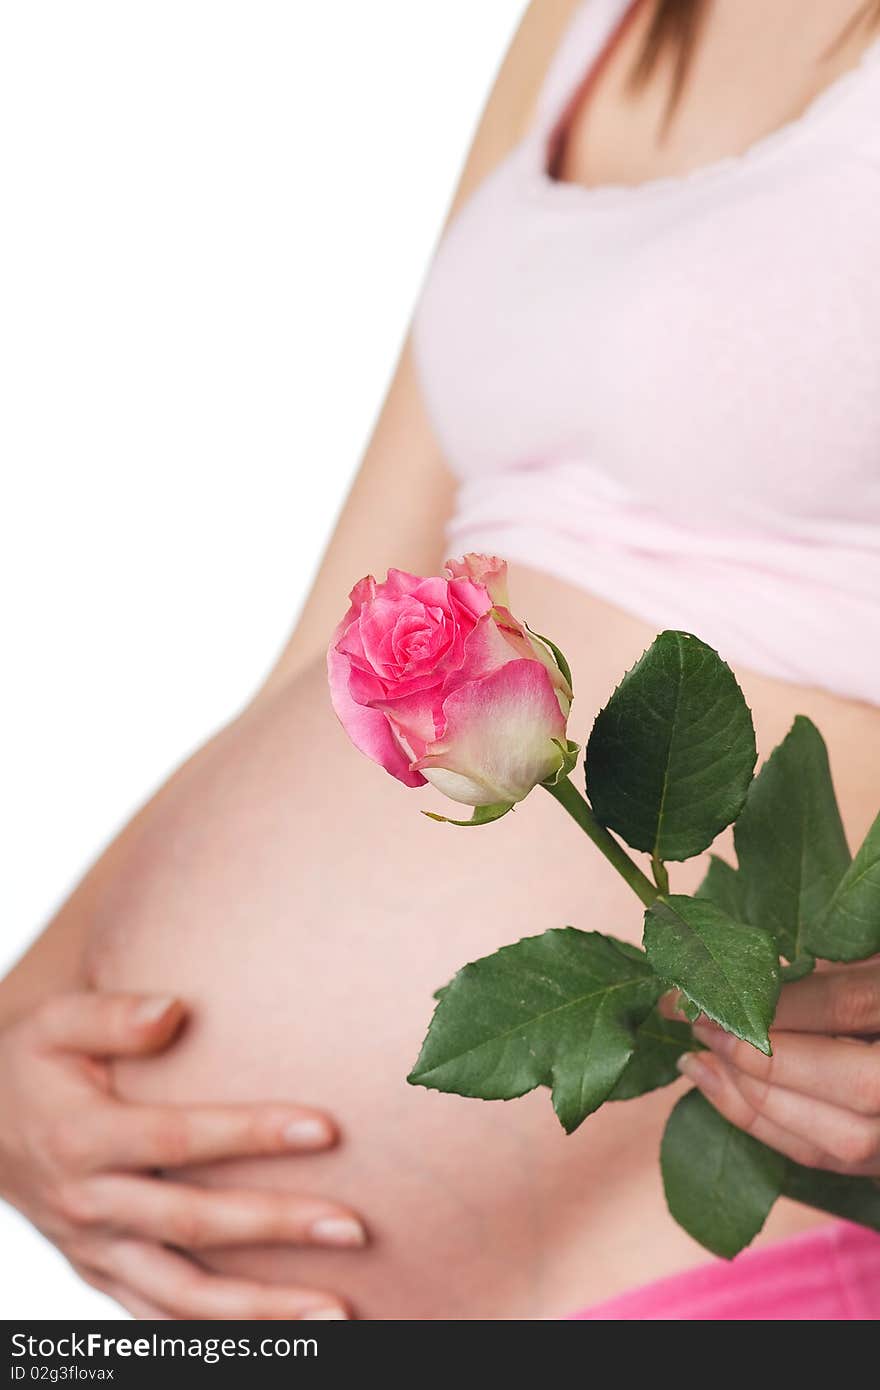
(292, 894)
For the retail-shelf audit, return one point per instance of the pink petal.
(486, 649)
(367, 728)
(416, 718)
(498, 733)
(487, 570)
(469, 600)
(378, 617)
(530, 647)
(362, 592)
(365, 687)
(433, 592)
(400, 586)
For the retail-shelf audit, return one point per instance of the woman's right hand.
(82, 1166)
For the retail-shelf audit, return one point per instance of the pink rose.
(434, 679)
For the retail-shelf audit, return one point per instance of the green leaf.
(727, 969)
(659, 1043)
(797, 969)
(557, 1010)
(853, 1199)
(569, 753)
(720, 1183)
(671, 755)
(722, 885)
(483, 815)
(790, 843)
(687, 1007)
(849, 929)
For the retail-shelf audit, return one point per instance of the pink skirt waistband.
(829, 1274)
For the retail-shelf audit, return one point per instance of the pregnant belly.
(294, 896)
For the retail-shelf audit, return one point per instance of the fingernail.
(306, 1133)
(668, 1006)
(339, 1230)
(151, 1010)
(676, 1008)
(702, 1073)
(337, 1314)
(716, 1038)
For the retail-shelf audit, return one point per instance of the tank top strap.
(591, 28)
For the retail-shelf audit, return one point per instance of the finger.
(138, 1307)
(710, 1077)
(807, 1130)
(843, 1071)
(199, 1218)
(853, 1141)
(833, 1001)
(183, 1289)
(109, 1025)
(165, 1136)
(670, 1005)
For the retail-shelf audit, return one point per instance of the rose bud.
(435, 680)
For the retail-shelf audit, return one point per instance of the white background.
(216, 215)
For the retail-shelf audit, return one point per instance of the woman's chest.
(713, 345)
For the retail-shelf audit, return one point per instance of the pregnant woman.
(645, 369)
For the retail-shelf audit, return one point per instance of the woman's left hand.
(817, 1099)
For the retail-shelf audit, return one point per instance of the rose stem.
(579, 809)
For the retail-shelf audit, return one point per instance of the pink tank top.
(830, 1274)
(669, 395)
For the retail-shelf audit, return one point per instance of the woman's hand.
(817, 1099)
(81, 1166)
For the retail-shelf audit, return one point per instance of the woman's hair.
(675, 28)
